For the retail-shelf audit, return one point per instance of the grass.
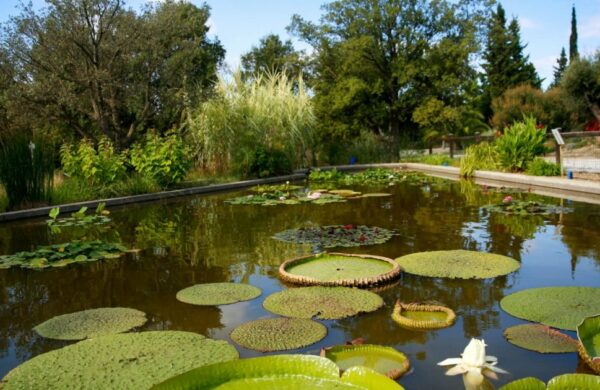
(433, 159)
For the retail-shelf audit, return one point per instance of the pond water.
(202, 239)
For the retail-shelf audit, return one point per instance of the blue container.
(570, 174)
(353, 160)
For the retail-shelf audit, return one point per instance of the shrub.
(99, 165)
(166, 160)
(268, 162)
(520, 144)
(482, 156)
(541, 167)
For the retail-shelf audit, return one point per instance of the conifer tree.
(573, 50)
(559, 69)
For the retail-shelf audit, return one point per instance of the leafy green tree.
(273, 56)
(573, 50)
(581, 83)
(560, 68)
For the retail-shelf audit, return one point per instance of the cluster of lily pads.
(78, 219)
(336, 235)
(377, 176)
(524, 207)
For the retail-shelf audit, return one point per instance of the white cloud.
(212, 27)
(528, 24)
(590, 28)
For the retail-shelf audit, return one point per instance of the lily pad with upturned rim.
(91, 323)
(422, 316)
(384, 360)
(458, 264)
(339, 269)
(278, 334)
(540, 338)
(126, 361)
(559, 307)
(279, 372)
(561, 382)
(212, 294)
(325, 303)
(588, 333)
(336, 235)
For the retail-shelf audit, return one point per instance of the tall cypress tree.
(559, 69)
(573, 50)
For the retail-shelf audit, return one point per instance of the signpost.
(560, 144)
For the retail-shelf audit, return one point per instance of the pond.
(203, 239)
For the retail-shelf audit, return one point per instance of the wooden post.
(477, 137)
(451, 141)
(557, 151)
(430, 148)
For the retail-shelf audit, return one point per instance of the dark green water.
(202, 239)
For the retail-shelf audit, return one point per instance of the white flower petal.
(496, 369)
(491, 359)
(456, 370)
(490, 374)
(450, 362)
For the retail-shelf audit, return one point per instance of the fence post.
(477, 137)
(430, 147)
(451, 142)
(557, 151)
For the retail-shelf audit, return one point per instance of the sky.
(239, 24)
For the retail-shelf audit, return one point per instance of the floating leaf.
(91, 323)
(281, 198)
(422, 316)
(561, 382)
(540, 338)
(588, 333)
(376, 195)
(525, 207)
(279, 372)
(209, 294)
(559, 307)
(324, 303)
(384, 360)
(336, 235)
(459, 264)
(529, 383)
(339, 269)
(278, 334)
(125, 361)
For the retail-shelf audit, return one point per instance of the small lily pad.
(278, 334)
(91, 323)
(376, 195)
(384, 360)
(458, 264)
(212, 294)
(324, 303)
(588, 333)
(422, 316)
(559, 307)
(540, 338)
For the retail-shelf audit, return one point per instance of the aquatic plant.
(286, 187)
(588, 334)
(61, 255)
(384, 360)
(212, 294)
(540, 338)
(473, 364)
(524, 207)
(559, 307)
(423, 316)
(339, 269)
(279, 372)
(325, 303)
(91, 323)
(457, 264)
(336, 235)
(78, 219)
(375, 176)
(561, 382)
(285, 198)
(128, 361)
(278, 334)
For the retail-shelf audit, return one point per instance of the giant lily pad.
(324, 303)
(91, 323)
(422, 316)
(209, 294)
(278, 334)
(540, 338)
(561, 382)
(126, 361)
(279, 372)
(336, 235)
(458, 264)
(384, 360)
(339, 269)
(588, 333)
(559, 307)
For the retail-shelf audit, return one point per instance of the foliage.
(26, 169)
(166, 160)
(98, 165)
(461, 264)
(323, 303)
(482, 156)
(561, 382)
(520, 144)
(560, 68)
(279, 371)
(366, 147)
(78, 189)
(287, 198)
(78, 219)
(374, 176)
(131, 360)
(384, 360)
(98, 68)
(268, 188)
(541, 167)
(213, 294)
(581, 83)
(328, 175)
(269, 162)
(273, 56)
(540, 338)
(336, 235)
(61, 255)
(269, 112)
(588, 334)
(422, 316)
(524, 207)
(326, 267)
(278, 334)
(88, 324)
(559, 307)
(573, 50)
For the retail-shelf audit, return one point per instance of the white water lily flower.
(313, 195)
(474, 364)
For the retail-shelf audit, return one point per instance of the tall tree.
(581, 82)
(573, 50)
(560, 68)
(273, 56)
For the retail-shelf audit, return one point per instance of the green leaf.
(54, 212)
(588, 333)
(384, 360)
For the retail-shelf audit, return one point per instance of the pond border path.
(578, 190)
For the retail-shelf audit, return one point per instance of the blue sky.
(239, 24)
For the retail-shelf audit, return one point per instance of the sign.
(559, 139)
